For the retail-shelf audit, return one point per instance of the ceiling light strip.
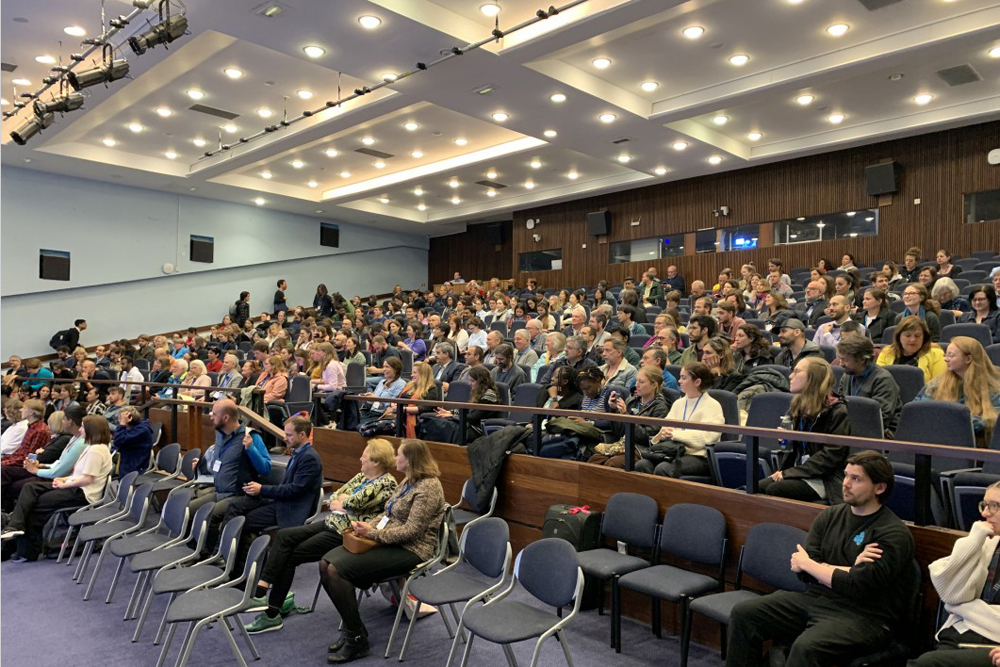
(454, 52)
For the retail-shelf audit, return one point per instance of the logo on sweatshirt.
(859, 538)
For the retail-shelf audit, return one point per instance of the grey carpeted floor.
(44, 622)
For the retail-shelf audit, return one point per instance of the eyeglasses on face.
(992, 507)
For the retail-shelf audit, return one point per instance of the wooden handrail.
(261, 422)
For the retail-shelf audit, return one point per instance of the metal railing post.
(462, 418)
(629, 447)
(922, 490)
(400, 420)
(753, 453)
(536, 433)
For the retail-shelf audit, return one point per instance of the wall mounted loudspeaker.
(202, 249)
(599, 223)
(494, 234)
(53, 265)
(882, 179)
(329, 235)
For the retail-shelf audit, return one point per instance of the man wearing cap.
(794, 345)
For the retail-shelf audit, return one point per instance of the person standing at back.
(280, 303)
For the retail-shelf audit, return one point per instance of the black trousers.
(947, 654)
(37, 502)
(290, 548)
(12, 480)
(795, 489)
(259, 515)
(682, 466)
(819, 630)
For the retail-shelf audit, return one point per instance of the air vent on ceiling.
(959, 75)
(212, 111)
(491, 184)
(374, 153)
(872, 5)
(270, 10)
(623, 140)
(8, 67)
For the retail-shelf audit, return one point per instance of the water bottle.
(786, 424)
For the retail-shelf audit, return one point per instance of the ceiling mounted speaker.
(994, 156)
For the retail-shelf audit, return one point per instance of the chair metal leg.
(685, 630)
(114, 580)
(657, 630)
(163, 621)
(723, 639)
(454, 645)
(65, 543)
(147, 603)
(319, 587)
(401, 597)
(133, 599)
(185, 654)
(81, 567)
(72, 552)
(468, 649)
(93, 576)
(615, 615)
(561, 636)
(509, 654)
(447, 623)
(232, 642)
(249, 641)
(166, 644)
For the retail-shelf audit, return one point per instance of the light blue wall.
(120, 237)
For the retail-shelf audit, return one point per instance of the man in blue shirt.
(237, 458)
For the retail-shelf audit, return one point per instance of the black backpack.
(59, 339)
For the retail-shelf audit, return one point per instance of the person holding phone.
(133, 438)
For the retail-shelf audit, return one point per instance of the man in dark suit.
(445, 369)
(813, 307)
(73, 334)
(291, 502)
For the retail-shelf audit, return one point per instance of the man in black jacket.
(445, 369)
(856, 564)
(863, 377)
(814, 305)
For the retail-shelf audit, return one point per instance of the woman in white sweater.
(970, 594)
(680, 452)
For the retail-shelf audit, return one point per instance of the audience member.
(874, 313)
(912, 346)
(972, 380)
(944, 265)
(828, 334)
(648, 401)
(421, 387)
(506, 371)
(699, 329)
(751, 347)
(727, 372)
(524, 355)
(794, 345)
(133, 438)
(864, 378)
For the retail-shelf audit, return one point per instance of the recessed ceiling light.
(869, 219)
(491, 193)
(45, 60)
(720, 120)
(417, 154)
(607, 117)
(264, 112)
(923, 98)
(601, 63)
(715, 159)
(559, 98)
(345, 174)
(170, 155)
(456, 200)
(572, 175)
(389, 77)
(109, 142)
(379, 164)
(660, 171)
(195, 94)
(529, 185)
(266, 175)
(800, 219)
(369, 22)
(679, 145)
(535, 164)
(199, 142)
(490, 8)
(550, 133)
(754, 136)
(260, 201)
(304, 94)
(136, 127)
(74, 31)
(804, 100)
(21, 82)
(693, 32)
(994, 52)
(331, 152)
(314, 51)
(739, 60)
(312, 184)
(163, 112)
(836, 118)
(231, 128)
(419, 191)
(233, 73)
(384, 199)
(461, 141)
(453, 183)
(410, 126)
(421, 207)
(500, 116)
(367, 141)
(794, 2)
(649, 86)
(3, 101)
(491, 174)
(297, 164)
(838, 29)
(624, 158)
(896, 76)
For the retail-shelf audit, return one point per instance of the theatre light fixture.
(166, 31)
(60, 104)
(31, 127)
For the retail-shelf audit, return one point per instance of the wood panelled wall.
(470, 254)
(937, 168)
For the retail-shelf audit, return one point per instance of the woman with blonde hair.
(361, 498)
(274, 379)
(912, 346)
(811, 471)
(971, 380)
(197, 376)
(421, 387)
(406, 534)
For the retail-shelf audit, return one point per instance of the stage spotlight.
(164, 32)
(70, 102)
(30, 128)
(104, 73)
